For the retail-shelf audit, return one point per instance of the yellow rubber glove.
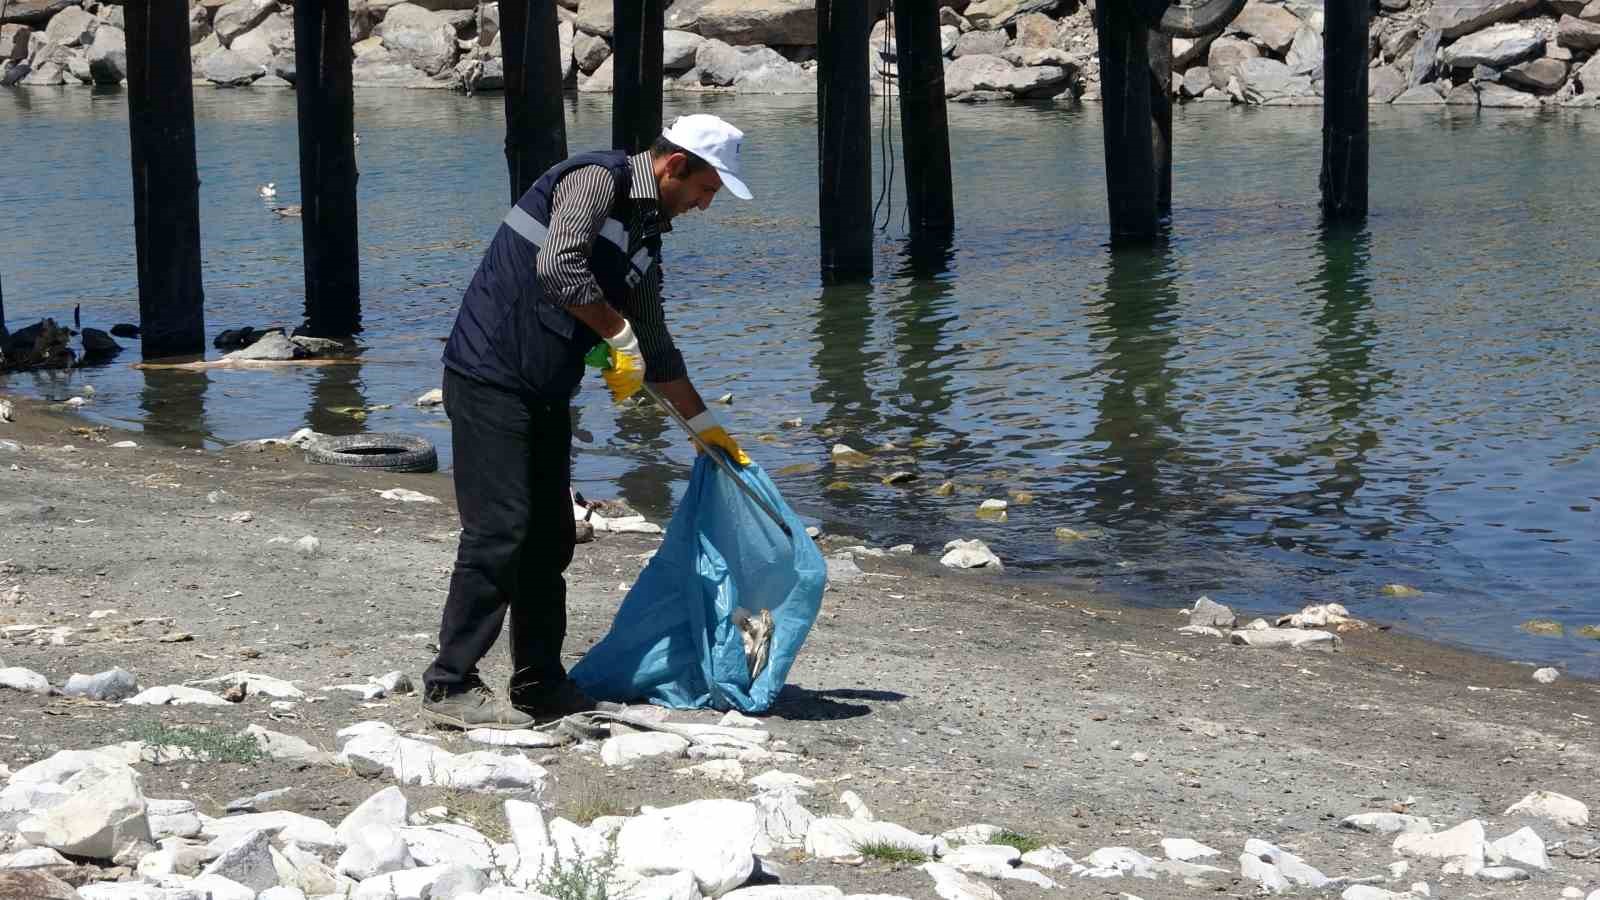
(708, 429)
(625, 375)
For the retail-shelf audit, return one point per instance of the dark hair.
(663, 147)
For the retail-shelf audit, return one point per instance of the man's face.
(681, 192)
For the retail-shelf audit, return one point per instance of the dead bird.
(291, 211)
(756, 631)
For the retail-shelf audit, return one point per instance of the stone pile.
(1497, 53)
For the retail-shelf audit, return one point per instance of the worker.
(576, 261)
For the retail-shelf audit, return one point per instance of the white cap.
(714, 141)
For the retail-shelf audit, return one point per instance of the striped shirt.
(579, 207)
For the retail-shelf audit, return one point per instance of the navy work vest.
(506, 334)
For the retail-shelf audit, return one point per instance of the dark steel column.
(326, 104)
(844, 138)
(924, 129)
(636, 89)
(166, 179)
(536, 124)
(1344, 109)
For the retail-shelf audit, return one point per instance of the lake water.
(1258, 411)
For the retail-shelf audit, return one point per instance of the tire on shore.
(383, 451)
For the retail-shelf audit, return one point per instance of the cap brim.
(734, 184)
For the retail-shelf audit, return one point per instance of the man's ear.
(678, 164)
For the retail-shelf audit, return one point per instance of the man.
(576, 261)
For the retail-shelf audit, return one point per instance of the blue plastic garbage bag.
(674, 641)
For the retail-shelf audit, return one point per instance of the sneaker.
(475, 707)
(546, 701)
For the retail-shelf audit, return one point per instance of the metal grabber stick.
(720, 459)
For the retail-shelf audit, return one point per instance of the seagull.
(268, 190)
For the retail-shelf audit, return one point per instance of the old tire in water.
(1188, 18)
(386, 452)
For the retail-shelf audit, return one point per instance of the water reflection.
(920, 317)
(646, 484)
(842, 363)
(174, 405)
(1134, 434)
(336, 393)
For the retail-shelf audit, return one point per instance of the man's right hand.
(625, 376)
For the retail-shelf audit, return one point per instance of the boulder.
(713, 839)
(1552, 807)
(34, 13)
(112, 684)
(973, 554)
(27, 681)
(417, 36)
(589, 51)
(1499, 96)
(602, 79)
(1384, 84)
(980, 43)
(1388, 822)
(377, 67)
(566, 38)
(1497, 46)
(1305, 53)
(1465, 842)
(629, 748)
(247, 860)
(596, 17)
(103, 815)
(1578, 34)
(833, 837)
(985, 14)
(72, 27)
(746, 22)
(678, 50)
(386, 808)
(1269, 23)
(955, 885)
(1589, 76)
(1522, 847)
(238, 17)
(225, 68)
(684, 15)
(175, 694)
(1542, 76)
(992, 73)
(1207, 611)
(1296, 638)
(1421, 95)
(274, 36)
(784, 819)
(1425, 57)
(1462, 95)
(375, 850)
(441, 882)
(31, 884)
(722, 64)
(1460, 17)
(1195, 82)
(1225, 57)
(1035, 30)
(14, 41)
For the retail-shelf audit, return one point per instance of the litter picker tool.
(721, 460)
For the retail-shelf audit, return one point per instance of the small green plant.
(889, 852)
(588, 801)
(580, 879)
(1022, 842)
(201, 743)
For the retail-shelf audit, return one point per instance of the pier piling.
(1346, 55)
(325, 103)
(844, 140)
(536, 125)
(636, 89)
(924, 127)
(1161, 119)
(166, 180)
(1127, 107)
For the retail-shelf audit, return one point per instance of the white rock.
(972, 554)
(787, 892)
(307, 546)
(1464, 842)
(988, 860)
(386, 808)
(774, 780)
(1502, 873)
(1421, 889)
(407, 760)
(256, 683)
(521, 737)
(1124, 860)
(1050, 857)
(1037, 879)
(677, 886)
(282, 893)
(831, 838)
(62, 765)
(434, 397)
(1558, 808)
(972, 834)
(33, 858)
(487, 772)
(1546, 675)
(215, 887)
(531, 838)
(716, 770)
(950, 884)
(1522, 847)
(630, 748)
(855, 806)
(1254, 868)
(714, 839)
(1398, 870)
(448, 843)
(172, 818)
(248, 862)
(282, 824)
(406, 495)
(1200, 631)
(1185, 849)
(784, 820)
(1273, 638)
(1293, 868)
(376, 850)
(288, 747)
(175, 695)
(425, 883)
(1368, 892)
(26, 680)
(735, 719)
(1387, 823)
(110, 685)
(103, 815)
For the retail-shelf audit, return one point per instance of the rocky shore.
(1491, 53)
(207, 670)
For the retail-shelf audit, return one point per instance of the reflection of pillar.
(336, 386)
(1135, 423)
(919, 317)
(1344, 381)
(844, 325)
(174, 405)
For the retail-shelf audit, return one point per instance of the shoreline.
(941, 698)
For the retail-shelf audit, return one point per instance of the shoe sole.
(460, 724)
